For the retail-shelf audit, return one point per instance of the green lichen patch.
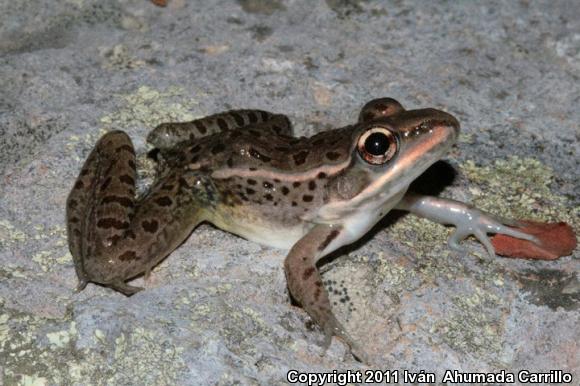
(9, 234)
(473, 326)
(38, 351)
(237, 326)
(519, 188)
(147, 108)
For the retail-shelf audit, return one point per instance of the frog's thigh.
(167, 135)
(112, 237)
(305, 283)
(102, 200)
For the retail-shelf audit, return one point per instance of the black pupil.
(377, 144)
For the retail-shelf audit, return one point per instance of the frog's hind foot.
(81, 286)
(332, 328)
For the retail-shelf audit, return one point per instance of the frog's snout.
(452, 122)
(441, 118)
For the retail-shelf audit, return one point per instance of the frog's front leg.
(305, 283)
(467, 219)
(112, 236)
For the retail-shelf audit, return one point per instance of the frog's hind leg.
(168, 135)
(112, 236)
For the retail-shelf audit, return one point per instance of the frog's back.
(269, 184)
(265, 152)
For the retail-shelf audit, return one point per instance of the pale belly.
(260, 229)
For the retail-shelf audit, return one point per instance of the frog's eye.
(377, 145)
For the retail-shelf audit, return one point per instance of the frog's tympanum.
(244, 172)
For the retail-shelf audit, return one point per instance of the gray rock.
(217, 310)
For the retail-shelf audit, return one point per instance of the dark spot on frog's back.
(251, 181)
(285, 190)
(312, 185)
(257, 155)
(300, 157)
(150, 226)
(238, 118)
(164, 201)
(252, 117)
(318, 142)
(223, 125)
(200, 127)
(218, 148)
(332, 155)
(307, 198)
(109, 222)
(195, 149)
(106, 183)
(127, 179)
(123, 201)
(129, 255)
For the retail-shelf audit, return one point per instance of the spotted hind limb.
(167, 135)
(305, 285)
(467, 219)
(113, 237)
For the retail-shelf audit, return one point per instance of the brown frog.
(244, 172)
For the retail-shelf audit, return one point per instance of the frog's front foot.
(470, 221)
(332, 327)
(305, 285)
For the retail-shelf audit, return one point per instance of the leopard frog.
(245, 172)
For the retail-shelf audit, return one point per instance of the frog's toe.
(455, 239)
(82, 285)
(482, 237)
(335, 329)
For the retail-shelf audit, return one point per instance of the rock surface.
(217, 311)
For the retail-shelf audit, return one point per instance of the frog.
(246, 173)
